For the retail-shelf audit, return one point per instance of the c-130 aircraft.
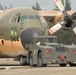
(19, 25)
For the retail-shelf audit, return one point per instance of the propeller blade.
(73, 16)
(61, 7)
(74, 30)
(55, 28)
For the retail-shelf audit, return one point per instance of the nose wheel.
(23, 60)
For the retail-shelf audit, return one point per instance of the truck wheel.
(71, 64)
(31, 60)
(23, 60)
(62, 65)
(40, 61)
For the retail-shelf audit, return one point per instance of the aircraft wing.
(54, 16)
(48, 15)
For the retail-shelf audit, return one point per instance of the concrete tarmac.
(14, 68)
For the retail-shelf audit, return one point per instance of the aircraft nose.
(27, 35)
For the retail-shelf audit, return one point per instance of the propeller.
(68, 19)
(74, 30)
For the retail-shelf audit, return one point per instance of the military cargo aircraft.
(19, 25)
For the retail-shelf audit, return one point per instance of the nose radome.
(27, 35)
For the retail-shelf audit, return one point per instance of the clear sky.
(45, 4)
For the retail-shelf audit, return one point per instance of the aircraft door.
(14, 34)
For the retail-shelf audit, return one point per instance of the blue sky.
(45, 4)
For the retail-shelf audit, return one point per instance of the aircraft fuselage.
(17, 27)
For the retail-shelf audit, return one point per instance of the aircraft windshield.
(30, 17)
(37, 17)
(23, 17)
(27, 17)
(18, 17)
(40, 18)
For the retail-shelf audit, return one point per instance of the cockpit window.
(12, 18)
(37, 17)
(27, 17)
(23, 18)
(15, 17)
(40, 18)
(18, 17)
(30, 17)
